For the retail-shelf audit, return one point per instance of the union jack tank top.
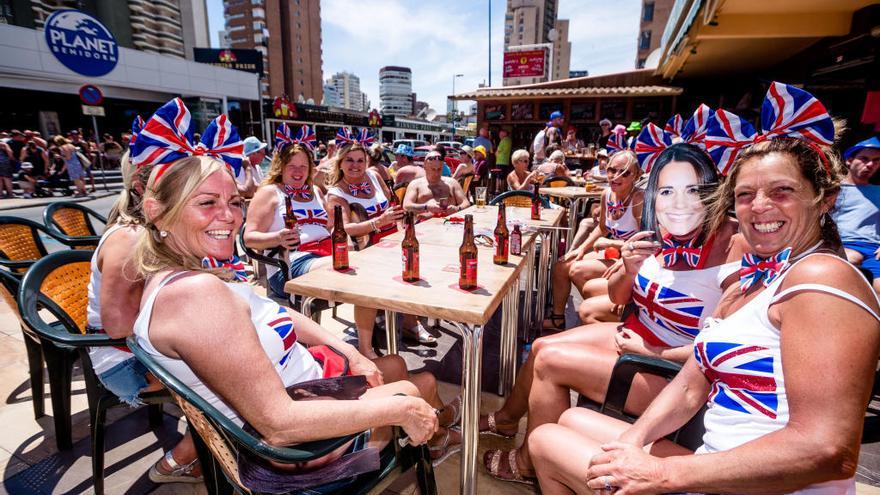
(741, 357)
(374, 206)
(624, 226)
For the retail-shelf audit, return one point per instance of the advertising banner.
(231, 58)
(531, 63)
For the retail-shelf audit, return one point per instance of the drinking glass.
(480, 196)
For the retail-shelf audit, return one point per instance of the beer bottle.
(536, 206)
(516, 241)
(467, 256)
(502, 237)
(410, 248)
(289, 216)
(339, 241)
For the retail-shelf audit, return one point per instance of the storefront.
(41, 74)
(621, 98)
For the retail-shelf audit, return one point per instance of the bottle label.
(501, 246)
(471, 270)
(411, 263)
(340, 254)
(515, 244)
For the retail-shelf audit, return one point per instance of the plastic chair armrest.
(625, 370)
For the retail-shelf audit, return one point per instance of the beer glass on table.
(480, 197)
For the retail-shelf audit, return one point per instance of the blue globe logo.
(81, 43)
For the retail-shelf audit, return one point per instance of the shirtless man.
(434, 193)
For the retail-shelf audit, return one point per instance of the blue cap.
(252, 145)
(404, 149)
(556, 115)
(873, 142)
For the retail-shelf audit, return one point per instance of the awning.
(614, 91)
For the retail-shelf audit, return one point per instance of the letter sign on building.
(81, 43)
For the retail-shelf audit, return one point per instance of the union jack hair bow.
(649, 144)
(234, 264)
(616, 142)
(305, 136)
(168, 136)
(364, 136)
(674, 125)
(672, 249)
(787, 112)
(694, 130)
(755, 269)
(136, 125)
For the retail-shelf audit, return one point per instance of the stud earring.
(163, 234)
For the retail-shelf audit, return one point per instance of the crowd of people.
(726, 254)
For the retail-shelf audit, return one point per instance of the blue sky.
(437, 39)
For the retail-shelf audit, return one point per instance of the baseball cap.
(603, 152)
(873, 142)
(252, 144)
(404, 149)
(556, 115)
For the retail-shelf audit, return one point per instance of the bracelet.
(374, 226)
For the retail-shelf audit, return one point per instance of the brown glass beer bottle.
(289, 216)
(536, 206)
(467, 256)
(339, 241)
(410, 248)
(502, 237)
(516, 241)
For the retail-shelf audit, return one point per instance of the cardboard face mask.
(679, 208)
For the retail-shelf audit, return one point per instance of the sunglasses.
(617, 172)
(431, 158)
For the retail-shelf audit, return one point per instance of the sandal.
(420, 335)
(179, 473)
(455, 404)
(492, 461)
(440, 453)
(554, 320)
(493, 428)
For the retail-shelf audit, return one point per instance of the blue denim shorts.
(126, 380)
(300, 264)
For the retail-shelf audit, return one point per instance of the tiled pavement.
(133, 447)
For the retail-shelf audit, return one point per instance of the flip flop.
(493, 428)
(444, 450)
(492, 462)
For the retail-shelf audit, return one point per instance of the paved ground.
(30, 463)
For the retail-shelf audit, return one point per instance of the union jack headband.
(649, 144)
(136, 125)
(616, 142)
(787, 112)
(167, 137)
(364, 136)
(694, 130)
(674, 125)
(305, 136)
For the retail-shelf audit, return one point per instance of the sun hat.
(603, 152)
(480, 149)
(634, 126)
(252, 144)
(467, 150)
(404, 149)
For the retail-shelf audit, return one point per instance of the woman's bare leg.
(364, 321)
(597, 309)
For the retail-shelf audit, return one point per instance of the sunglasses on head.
(616, 172)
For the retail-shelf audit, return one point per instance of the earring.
(822, 220)
(163, 234)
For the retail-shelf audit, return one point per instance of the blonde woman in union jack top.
(784, 366)
(675, 285)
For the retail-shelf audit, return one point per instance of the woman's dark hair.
(681, 152)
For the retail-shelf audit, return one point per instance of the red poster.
(524, 64)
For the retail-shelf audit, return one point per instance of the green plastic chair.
(20, 243)
(73, 224)
(219, 442)
(58, 283)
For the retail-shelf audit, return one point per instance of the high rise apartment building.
(395, 91)
(533, 22)
(652, 22)
(348, 92)
(166, 27)
(288, 34)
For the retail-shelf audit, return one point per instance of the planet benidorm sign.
(81, 43)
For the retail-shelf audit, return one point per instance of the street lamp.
(454, 104)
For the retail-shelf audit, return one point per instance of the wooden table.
(576, 197)
(374, 280)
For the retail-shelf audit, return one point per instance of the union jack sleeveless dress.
(311, 219)
(741, 357)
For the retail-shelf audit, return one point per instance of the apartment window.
(257, 2)
(259, 13)
(258, 26)
(648, 12)
(645, 40)
(641, 63)
(297, 12)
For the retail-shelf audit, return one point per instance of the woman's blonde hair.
(336, 175)
(281, 158)
(519, 155)
(821, 167)
(152, 253)
(60, 140)
(127, 209)
(631, 161)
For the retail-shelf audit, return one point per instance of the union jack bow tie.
(233, 264)
(614, 207)
(672, 249)
(304, 192)
(168, 136)
(787, 112)
(755, 268)
(360, 187)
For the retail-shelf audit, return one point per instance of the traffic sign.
(93, 110)
(91, 94)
